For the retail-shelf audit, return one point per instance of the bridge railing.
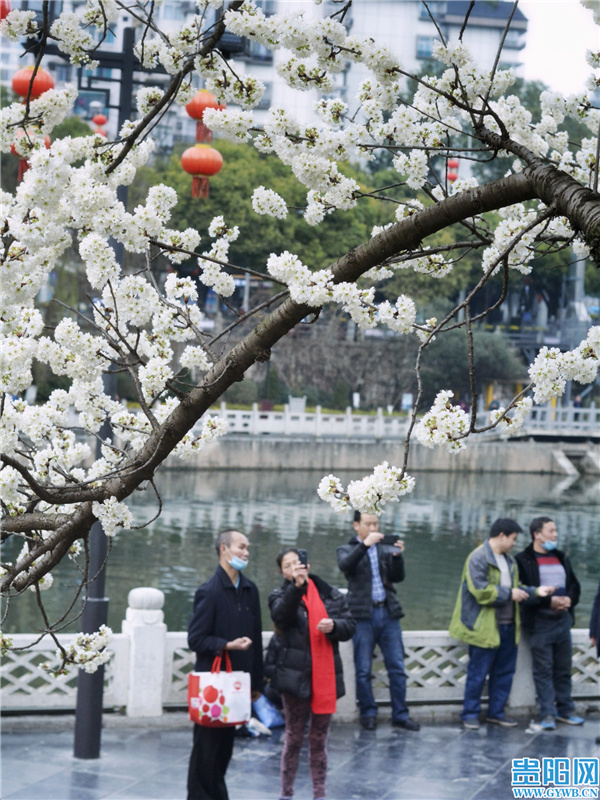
(149, 667)
(567, 421)
(317, 423)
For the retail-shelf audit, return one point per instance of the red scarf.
(321, 650)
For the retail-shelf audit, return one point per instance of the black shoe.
(408, 724)
(368, 723)
(504, 722)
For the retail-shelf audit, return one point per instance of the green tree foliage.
(231, 196)
(445, 362)
(341, 395)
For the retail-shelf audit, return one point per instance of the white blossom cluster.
(112, 515)
(18, 23)
(266, 201)
(368, 495)
(443, 425)
(88, 651)
(212, 428)
(551, 368)
(510, 425)
(212, 275)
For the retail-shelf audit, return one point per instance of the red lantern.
(201, 161)
(4, 9)
(453, 164)
(100, 120)
(196, 108)
(102, 132)
(452, 176)
(23, 162)
(41, 83)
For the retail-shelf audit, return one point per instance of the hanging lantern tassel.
(201, 161)
(23, 162)
(200, 185)
(196, 108)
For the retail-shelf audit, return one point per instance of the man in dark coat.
(226, 617)
(371, 569)
(548, 622)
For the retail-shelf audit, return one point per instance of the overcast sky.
(558, 34)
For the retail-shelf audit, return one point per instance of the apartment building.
(404, 26)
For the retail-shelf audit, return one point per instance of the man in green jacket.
(486, 618)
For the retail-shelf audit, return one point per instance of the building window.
(267, 6)
(256, 51)
(425, 46)
(265, 100)
(438, 9)
(514, 40)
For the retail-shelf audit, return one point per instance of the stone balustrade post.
(348, 421)
(318, 421)
(522, 694)
(379, 424)
(346, 709)
(144, 626)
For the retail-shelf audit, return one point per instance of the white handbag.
(219, 698)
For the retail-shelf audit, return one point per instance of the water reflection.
(446, 516)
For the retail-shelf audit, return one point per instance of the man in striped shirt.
(548, 621)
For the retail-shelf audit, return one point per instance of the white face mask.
(548, 545)
(237, 563)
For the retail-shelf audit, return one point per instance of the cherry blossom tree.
(52, 487)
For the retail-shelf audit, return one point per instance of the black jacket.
(595, 620)
(529, 575)
(293, 670)
(353, 559)
(222, 613)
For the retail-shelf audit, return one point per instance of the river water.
(446, 516)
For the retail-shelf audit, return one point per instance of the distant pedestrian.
(226, 617)
(486, 618)
(548, 621)
(311, 617)
(371, 569)
(494, 404)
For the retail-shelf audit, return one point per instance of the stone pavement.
(147, 760)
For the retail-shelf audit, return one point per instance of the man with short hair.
(486, 618)
(226, 617)
(371, 569)
(548, 621)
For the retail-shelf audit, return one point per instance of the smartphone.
(303, 557)
(390, 539)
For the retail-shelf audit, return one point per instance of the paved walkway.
(148, 761)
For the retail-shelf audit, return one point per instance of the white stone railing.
(149, 666)
(311, 423)
(567, 421)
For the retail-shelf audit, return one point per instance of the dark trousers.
(381, 629)
(497, 662)
(297, 714)
(551, 655)
(209, 760)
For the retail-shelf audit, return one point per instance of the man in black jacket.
(226, 617)
(371, 569)
(548, 621)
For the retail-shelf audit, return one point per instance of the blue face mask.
(549, 546)
(237, 563)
